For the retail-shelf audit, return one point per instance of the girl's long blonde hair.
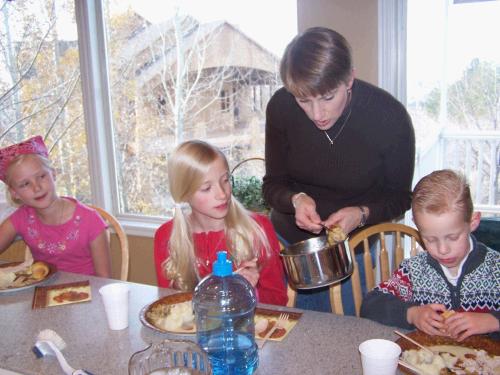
(187, 167)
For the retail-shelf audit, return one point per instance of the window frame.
(98, 118)
(392, 17)
(97, 101)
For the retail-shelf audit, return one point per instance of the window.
(40, 88)
(452, 86)
(152, 75)
(206, 65)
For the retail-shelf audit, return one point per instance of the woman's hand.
(249, 269)
(347, 218)
(306, 216)
(464, 324)
(427, 318)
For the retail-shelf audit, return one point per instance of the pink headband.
(33, 145)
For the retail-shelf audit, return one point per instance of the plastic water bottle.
(224, 306)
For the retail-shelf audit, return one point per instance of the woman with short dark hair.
(339, 151)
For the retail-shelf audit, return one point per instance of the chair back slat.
(115, 225)
(292, 296)
(384, 258)
(336, 299)
(399, 253)
(413, 251)
(367, 261)
(396, 246)
(356, 290)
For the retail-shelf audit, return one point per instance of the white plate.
(52, 271)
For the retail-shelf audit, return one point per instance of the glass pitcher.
(170, 357)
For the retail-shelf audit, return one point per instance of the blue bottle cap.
(222, 266)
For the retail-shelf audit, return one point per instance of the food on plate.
(22, 274)
(173, 317)
(335, 235)
(261, 325)
(6, 279)
(39, 270)
(453, 359)
(70, 296)
(264, 324)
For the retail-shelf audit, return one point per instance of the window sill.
(140, 226)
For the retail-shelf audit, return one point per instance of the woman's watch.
(363, 217)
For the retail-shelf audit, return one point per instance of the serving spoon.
(430, 351)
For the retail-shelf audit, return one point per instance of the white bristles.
(50, 335)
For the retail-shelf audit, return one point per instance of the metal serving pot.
(314, 263)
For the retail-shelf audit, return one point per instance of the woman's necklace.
(341, 128)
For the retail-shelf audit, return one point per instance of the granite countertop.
(320, 343)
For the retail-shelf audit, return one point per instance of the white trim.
(98, 119)
(142, 226)
(96, 103)
(392, 18)
(392, 47)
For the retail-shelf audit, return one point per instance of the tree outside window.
(167, 80)
(40, 88)
(454, 92)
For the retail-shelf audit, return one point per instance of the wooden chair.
(16, 252)
(122, 238)
(368, 236)
(379, 232)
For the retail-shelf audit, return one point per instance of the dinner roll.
(39, 270)
(447, 314)
(335, 235)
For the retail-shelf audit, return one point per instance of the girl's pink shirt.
(67, 245)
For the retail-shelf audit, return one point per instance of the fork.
(280, 323)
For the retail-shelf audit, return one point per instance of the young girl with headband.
(58, 230)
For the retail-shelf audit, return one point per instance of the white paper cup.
(379, 357)
(115, 299)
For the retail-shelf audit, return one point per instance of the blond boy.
(455, 273)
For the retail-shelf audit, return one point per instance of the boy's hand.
(464, 324)
(427, 318)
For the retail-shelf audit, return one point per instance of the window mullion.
(96, 103)
(392, 47)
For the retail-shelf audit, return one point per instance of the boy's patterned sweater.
(420, 280)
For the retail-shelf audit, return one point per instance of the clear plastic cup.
(170, 357)
(115, 299)
(379, 357)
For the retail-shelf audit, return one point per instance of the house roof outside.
(211, 45)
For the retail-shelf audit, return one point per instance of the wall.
(142, 268)
(356, 20)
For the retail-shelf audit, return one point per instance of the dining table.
(320, 343)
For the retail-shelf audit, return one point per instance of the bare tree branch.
(63, 106)
(25, 73)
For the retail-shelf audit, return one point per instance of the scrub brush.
(50, 343)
